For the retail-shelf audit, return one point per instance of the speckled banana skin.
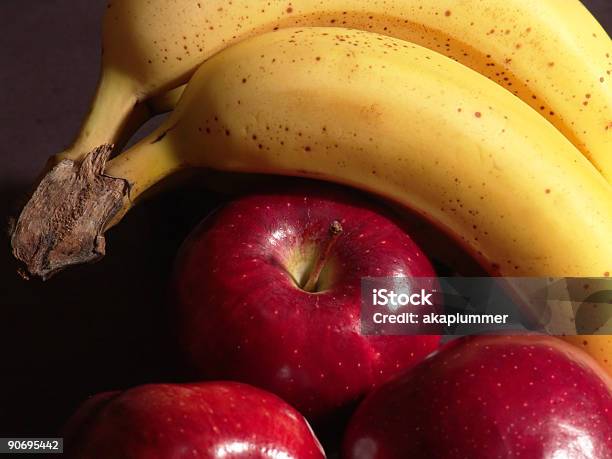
(405, 123)
(401, 121)
(551, 53)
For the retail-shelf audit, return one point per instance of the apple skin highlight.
(243, 314)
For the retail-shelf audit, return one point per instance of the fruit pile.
(491, 120)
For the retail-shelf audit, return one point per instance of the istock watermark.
(479, 305)
(384, 297)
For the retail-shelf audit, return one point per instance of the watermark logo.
(486, 305)
(384, 297)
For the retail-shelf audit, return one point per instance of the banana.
(403, 122)
(552, 53)
(366, 110)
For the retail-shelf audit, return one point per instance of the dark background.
(103, 326)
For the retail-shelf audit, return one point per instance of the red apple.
(268, 294)
(527, 397)
(199, 421)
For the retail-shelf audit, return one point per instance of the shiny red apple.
(199, 421)
(526, 397)
(268, 292)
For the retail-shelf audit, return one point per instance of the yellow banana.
(551, 53)
(403, 122)
(373, 112)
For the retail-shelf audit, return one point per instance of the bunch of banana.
(551, 53)
(361, 108)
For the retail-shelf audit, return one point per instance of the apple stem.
(335, 230)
